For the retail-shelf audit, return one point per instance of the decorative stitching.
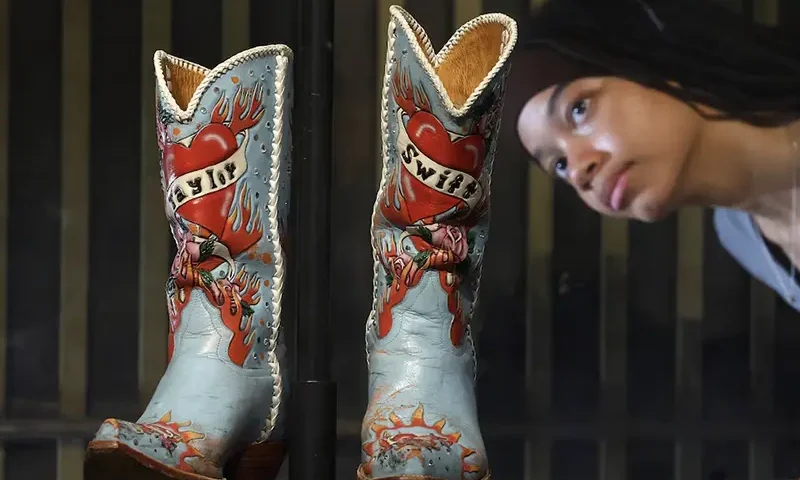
(492, 153)
(429, 61)
(281, 67)
(211, 76)
(283, 56)
(387, 82)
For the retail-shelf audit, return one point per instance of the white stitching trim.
(160, 58)
(478, 282)
(280, 111)
(387, 82)
(430, 61)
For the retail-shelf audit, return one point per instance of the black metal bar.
(314, 440)
(313, 406)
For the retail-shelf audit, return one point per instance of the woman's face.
(622, 146)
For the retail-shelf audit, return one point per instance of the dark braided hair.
(694, 50)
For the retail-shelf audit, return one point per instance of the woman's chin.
(650, 210)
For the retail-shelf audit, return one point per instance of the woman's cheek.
(606, 142)
(584, 130)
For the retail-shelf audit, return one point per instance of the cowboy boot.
(440, 121)
(224, 137)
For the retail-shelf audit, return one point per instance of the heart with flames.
(202, 172)
(432, 185)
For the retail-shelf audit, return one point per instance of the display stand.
(312, 428)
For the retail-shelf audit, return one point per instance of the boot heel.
(260, 461)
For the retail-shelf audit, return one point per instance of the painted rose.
(188, 255)
(398, 263)
(185, 270)
(450, 237)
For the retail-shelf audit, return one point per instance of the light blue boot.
(440, 120)
(224, 137)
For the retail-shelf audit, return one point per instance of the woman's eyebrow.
(555, 97)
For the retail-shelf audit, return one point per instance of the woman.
(669, 103)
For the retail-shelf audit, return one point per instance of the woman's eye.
(579, 110)
(560, 167)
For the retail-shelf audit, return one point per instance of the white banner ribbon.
(440, 178)
(199, 183)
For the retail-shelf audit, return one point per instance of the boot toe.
(155, 446)
(422, 449)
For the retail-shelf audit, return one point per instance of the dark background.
(607, 349)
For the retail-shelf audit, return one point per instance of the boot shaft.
(440, 118)
(224, 137)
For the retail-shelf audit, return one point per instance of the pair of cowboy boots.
(225, 141)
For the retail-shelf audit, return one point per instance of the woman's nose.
(583, 169)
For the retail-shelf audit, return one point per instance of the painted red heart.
(431, 137)
(212, 144)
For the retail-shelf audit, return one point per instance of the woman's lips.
(614, 188)
(618, 193)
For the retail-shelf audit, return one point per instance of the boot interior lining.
(465, 66)
(470, 60)
(183, 82)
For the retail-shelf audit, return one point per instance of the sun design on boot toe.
(407, 441)
(171, 436)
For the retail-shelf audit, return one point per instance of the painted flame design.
(234, 295)
(172, 435)
(413, 438)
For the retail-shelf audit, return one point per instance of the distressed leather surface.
(225, 176)
(429, 230)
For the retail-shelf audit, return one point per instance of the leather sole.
(112, 460)
(260, 461)
(363, 476)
